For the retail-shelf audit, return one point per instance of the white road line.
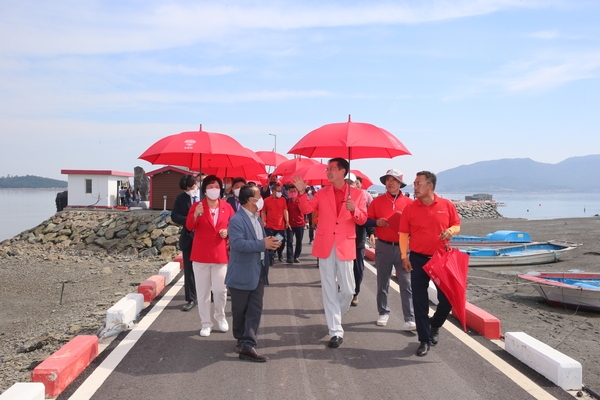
(524, 382)
(101, 373)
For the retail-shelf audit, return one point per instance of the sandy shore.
(519, 307)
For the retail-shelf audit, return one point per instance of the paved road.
(165, 358)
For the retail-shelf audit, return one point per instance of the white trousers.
(210, 277)
(336, 273)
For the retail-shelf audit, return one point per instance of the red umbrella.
(289, 167)
(271, 158)
(350, 140)
(251, 171)
(448, 269)
(198, 151)
(311, 175)
(366, 182)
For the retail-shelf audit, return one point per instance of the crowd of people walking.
(233, 231)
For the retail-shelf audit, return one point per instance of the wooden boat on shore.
(498, 238)
(569, 289)
(517, 254)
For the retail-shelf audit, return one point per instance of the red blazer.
(208, 246)
(335, 230)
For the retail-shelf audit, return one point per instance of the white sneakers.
(204, 332)
(223, 325)
(383, 319)
(409, 326)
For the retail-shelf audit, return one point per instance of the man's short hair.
(185, 182)
(342, 163)
(247, 192)
(238, 180)
(430, 176)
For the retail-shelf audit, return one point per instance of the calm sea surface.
(26, 208)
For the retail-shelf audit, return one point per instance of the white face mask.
(227, 186)
(236, 192)
(278, 194)
(260, 203)
(194, 192)
(213, 194)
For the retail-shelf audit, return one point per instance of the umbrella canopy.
(311, 175)
(350, 140)
(271, 158)
(366, 182)
(198, 151)
(289, 167)
(448, 269)
(252, 171)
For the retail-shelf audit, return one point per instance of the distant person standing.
(122, 196)
(425, 227)
(296, 226)
(385, 211)
(276, 218)
(340, 209)
(248, 270)
(181, 207)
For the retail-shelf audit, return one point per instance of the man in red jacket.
(340, 209)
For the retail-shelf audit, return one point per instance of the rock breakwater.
(141, 233)
(477, 210)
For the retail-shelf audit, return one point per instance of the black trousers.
(246, 307)
(359, 269)
(420, 283)
(297, 232)
(189, 283)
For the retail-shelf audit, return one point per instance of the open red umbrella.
(311, 175)
(271, 158)
(251, 171)
(366, 182)
(448, 269)
(289, 167)
(349, 140)
(198, 151)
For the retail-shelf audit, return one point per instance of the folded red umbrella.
(448, 269)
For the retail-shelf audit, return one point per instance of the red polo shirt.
(273, 210)
(295, 215)
(425, 223)
(385, 206)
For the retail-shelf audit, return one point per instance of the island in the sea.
(31, 182)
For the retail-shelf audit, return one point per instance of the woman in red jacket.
(209, 219)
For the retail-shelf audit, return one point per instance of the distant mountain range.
(30, 182)
(575, 174)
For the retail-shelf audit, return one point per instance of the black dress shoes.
(252, 355)
(188, 306)
(423, 349)
(435, 335)
(335, 342)
(238, 348)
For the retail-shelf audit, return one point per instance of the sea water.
(26, 208)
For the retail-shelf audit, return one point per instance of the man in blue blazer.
(247, 271)
(234, 200)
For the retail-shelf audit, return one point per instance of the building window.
(88, 186)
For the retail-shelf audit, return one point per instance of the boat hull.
(515, 255)
(559, 294)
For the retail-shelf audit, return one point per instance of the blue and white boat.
(498, 238)
(517, 254)
(569, 289)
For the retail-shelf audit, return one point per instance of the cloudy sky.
(92, 84)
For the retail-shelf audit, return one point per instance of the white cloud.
(545, 34)
(71, 27)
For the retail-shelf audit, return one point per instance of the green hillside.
(30, 181)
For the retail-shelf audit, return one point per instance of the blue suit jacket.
(245, 251)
